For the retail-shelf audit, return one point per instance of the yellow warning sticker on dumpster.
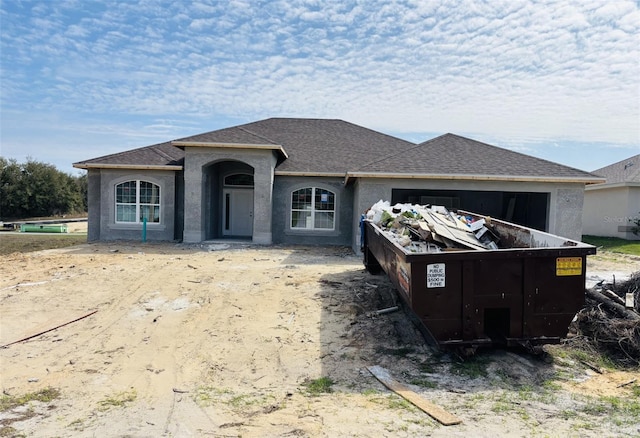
(566, 266)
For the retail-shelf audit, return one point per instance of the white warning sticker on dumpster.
(435, 275)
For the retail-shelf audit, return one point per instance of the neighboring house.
(307, 181)
(611, 208)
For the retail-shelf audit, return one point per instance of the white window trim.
(313, 211)
(137, 204)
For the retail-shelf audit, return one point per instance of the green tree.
(13, 200)
(82, 187)
(35, 189)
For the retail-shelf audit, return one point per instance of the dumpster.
(43, 228)
(520, 287)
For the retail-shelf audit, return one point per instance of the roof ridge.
(373, 130)
(387, 157)
(248, 131)
(298, 118)
(160, 152)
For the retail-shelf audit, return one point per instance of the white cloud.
(524, 69)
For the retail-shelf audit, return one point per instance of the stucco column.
(193, 198)
(366, 194)
(94, 200)
(263, 201)
(567, 211)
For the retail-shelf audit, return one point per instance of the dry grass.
(12, 242)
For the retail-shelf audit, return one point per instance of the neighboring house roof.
(158, 156)
(625, 171)
(336, 147)
(453, 156)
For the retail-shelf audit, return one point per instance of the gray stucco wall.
(272, 198)
(565, 199)
(282, 231)
(101, 199)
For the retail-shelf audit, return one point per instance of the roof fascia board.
(124, 166)
(612, 185)
(511, 178)
(206, 144)
(322, 174)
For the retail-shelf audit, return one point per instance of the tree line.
(36, 189)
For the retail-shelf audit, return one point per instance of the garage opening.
(523, 208)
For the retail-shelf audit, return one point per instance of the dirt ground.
(227, 340)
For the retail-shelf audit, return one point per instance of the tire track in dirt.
(235, 333)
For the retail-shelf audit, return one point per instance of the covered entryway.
(229, 200)
(228, 190)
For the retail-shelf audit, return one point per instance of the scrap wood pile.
(610, 322)
(432, 228)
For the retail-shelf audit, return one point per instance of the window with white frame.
(137, 200)
(313, 208)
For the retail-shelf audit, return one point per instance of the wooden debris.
(48, 330)
(450, 230)
(613, 306)
(434, 225)
(611, 294)
(387, 310)
(591, 366)
(630, 382)
(432, 409)
(609, 328)
(180, 391)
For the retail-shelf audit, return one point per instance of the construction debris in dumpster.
(474, 281)
(432, 228)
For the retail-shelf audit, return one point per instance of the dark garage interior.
(523, 208)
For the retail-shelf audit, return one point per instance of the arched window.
(137, 200)
(313, 208)
(239, 180)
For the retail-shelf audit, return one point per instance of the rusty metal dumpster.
(525, 293)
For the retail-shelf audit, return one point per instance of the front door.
(237, 212)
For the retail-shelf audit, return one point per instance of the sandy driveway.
(220, 341)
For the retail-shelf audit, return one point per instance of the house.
(610, 208)
(307, 181)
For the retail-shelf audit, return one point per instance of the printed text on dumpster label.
(566, 266)
(435, 275)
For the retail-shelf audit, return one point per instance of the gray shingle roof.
(452, 154)
(621, 172)
(233, 135)
(162, 154)
(329, 146)
(313, 145)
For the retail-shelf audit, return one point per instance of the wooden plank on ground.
(432, 409)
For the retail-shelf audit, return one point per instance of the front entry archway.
(213, 172)
(229, 189)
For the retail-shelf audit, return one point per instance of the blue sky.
(558, 80)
